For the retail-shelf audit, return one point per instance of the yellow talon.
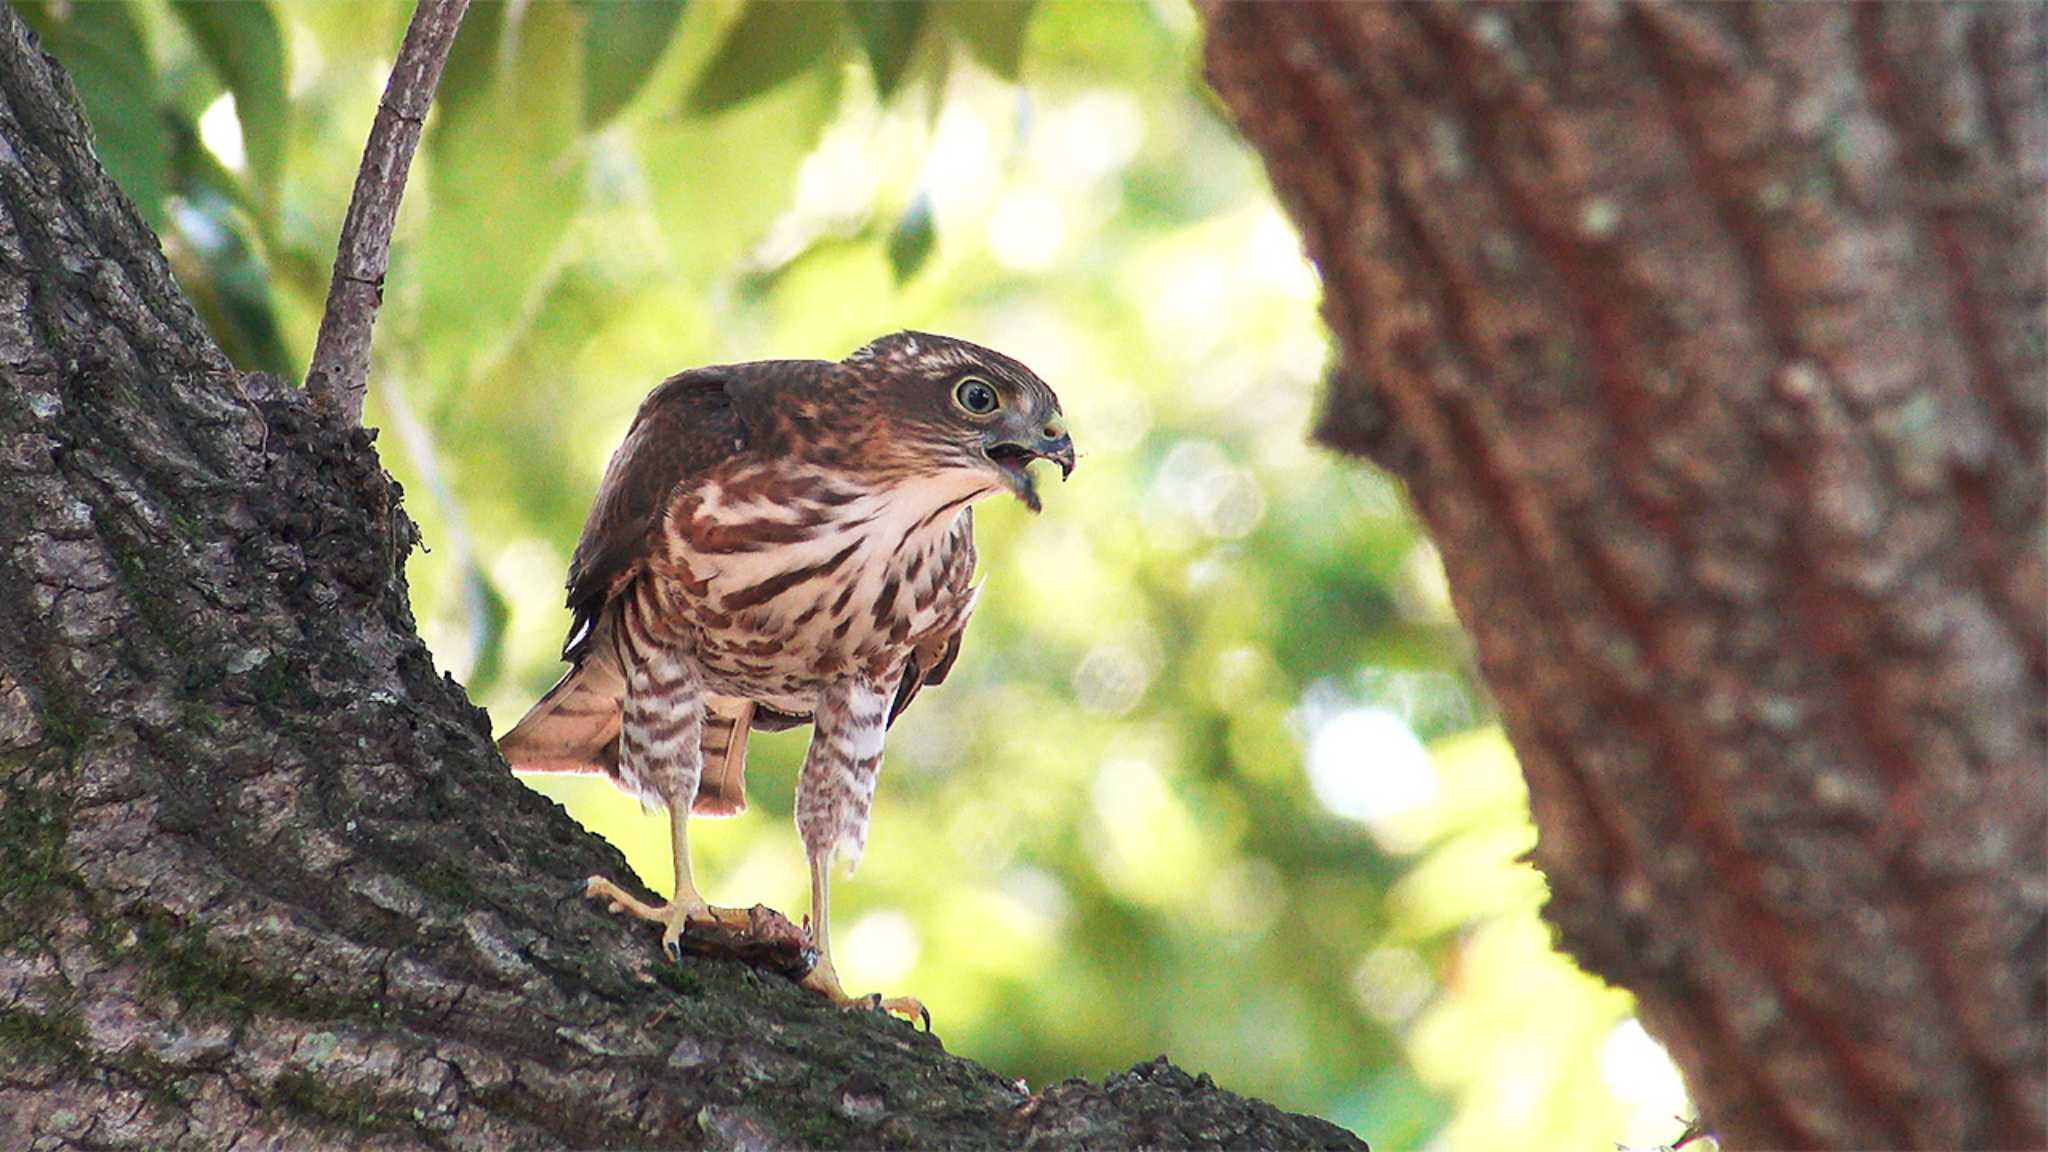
(672, 916)
(824, 980)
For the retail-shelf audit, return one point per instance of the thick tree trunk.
(263, 878)
(1709, 341)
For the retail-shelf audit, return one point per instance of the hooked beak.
(1013, 458)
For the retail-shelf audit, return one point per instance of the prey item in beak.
(1013, 459)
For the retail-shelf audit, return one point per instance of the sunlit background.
(1213, 776)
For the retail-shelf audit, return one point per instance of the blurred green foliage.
(1213, 776)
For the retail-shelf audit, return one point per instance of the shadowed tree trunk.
(1709, 341)
(263, 877)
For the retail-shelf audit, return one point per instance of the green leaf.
(245, 45)
(505, 183)
(888, 34)
(622, 42)
(222, 273)
(473, 59)
(773, 41)
(993, 30)
(911, 241)
(101, 47)
(720, 180)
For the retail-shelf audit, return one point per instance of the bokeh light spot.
(1366, 764)
(220, 129)
(1111, 678)
(1392, 984)
(1641, 1075)
(882, 946)
(1026, 230)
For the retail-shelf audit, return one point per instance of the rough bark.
(1709, 341)
(263, 879)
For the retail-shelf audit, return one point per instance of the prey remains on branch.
(776, 543)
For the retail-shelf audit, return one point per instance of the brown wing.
(684, 427)
(917, 673)
(933, 658)
(688, 425)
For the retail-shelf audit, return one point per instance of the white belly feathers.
(806, 580)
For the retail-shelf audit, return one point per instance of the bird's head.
(959, 409)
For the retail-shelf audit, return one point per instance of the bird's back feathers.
(688, 425)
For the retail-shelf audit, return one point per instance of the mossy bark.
(1710, 343)
(263, 878)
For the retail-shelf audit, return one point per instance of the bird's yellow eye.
(976, 396)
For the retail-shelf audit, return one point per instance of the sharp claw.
(902, 1006)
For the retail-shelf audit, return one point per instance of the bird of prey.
(774, 543)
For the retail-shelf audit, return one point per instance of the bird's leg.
(661, 735)
(824, 979)
(686, 905)
(832, 797)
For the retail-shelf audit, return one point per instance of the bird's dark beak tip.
(1060, 452)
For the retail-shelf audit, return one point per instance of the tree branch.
(340, 373)
(263, 878)
(1708, 340)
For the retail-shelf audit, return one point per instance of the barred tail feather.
(722, 790)
(575, 727)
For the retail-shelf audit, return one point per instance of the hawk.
(776, 543)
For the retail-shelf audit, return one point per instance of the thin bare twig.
(1694, 1131)
(340, 373)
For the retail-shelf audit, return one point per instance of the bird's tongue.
(1015, 464)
